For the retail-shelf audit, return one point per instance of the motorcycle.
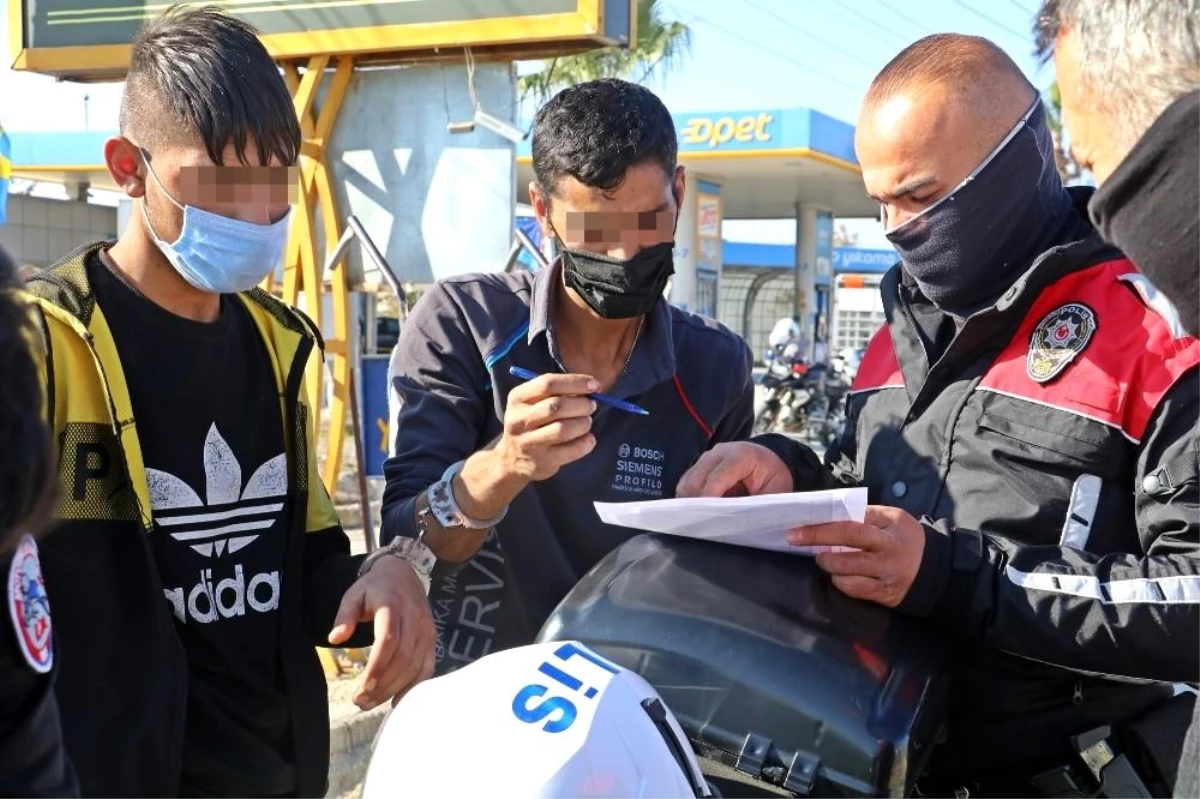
(683, 668)
(791, 387)
(686, 668)
(808, 400)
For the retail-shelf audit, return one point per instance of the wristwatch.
(411, 550)
(445, 509)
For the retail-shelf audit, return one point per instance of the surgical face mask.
(218, 254)
(620, 288)
(967, 248)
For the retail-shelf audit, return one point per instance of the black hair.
(201, 72)
(1046, 28)
(27, 486)
(595, 131)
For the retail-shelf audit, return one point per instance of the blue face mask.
(218, 254)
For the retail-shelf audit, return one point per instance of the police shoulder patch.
(30, 607)
(1058, 338)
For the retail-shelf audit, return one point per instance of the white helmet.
(549, 720)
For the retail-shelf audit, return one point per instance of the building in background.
(858, 310)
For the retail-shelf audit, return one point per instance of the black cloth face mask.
(620, 288)
(1150, 207)
(965, 250)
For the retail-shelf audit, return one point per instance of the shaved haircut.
(201, 75)
(972, 69)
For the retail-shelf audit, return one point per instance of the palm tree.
(660, 44)
(1068, 169)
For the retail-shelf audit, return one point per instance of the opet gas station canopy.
(765, 162)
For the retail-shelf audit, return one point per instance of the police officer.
(1024, 425)
(33, 761)
(1134, 123)
(478, 448)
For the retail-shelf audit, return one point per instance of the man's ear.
(680, 184)
(541, 208)
(124, 162)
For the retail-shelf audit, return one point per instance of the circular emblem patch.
(30, 607)
(1058, 338)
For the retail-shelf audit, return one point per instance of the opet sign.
(719, 131)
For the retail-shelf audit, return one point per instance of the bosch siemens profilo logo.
(639, 470)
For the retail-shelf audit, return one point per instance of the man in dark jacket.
(1024, 425)
(1129, 77)
(198, 559)
(33, 761)
(499, 474)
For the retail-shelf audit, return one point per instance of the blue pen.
(613, 402)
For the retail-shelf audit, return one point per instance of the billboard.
(89, 39)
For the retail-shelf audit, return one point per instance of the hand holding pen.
(547, 424)
(603, 399)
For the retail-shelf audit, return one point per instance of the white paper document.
(760, 522)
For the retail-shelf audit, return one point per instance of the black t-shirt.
(210, 425)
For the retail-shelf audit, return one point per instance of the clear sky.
(746, 54)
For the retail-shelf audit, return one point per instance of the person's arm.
(329, 568)
(385, 608)
(443, 400)
(1114, 614)
(33, 760)
(808, 472)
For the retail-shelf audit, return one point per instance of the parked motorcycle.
(804, 399)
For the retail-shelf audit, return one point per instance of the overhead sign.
(852, 259)
(90, 38)
(713, 132)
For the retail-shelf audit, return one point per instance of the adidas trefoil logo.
(226, 523)
(226, 520)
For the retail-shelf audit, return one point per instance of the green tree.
(661, 43)
(1068, 169)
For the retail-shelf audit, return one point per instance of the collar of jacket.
(64, 293)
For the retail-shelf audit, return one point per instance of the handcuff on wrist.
(445, 509)
(442, 505)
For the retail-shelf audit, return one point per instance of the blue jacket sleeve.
(440, 401)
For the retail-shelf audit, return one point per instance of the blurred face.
(916, 147)
(638, 214)
(179, 175)
(1094, 143)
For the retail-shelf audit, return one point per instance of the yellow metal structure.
(88, 39)
(305, 260)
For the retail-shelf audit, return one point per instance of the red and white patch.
(30, 607)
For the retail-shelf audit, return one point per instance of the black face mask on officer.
(966, 249)
(620, 288)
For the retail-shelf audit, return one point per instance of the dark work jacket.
(122, 688)
(451, 381)
(1061, 515)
